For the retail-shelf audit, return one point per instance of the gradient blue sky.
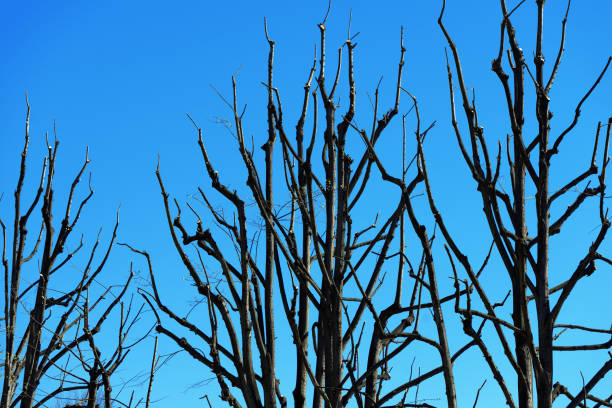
(119, 76)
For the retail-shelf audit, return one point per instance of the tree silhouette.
(50, 323)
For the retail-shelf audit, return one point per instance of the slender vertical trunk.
(250, 391)
(31, 375)
(11, 294)
(545, 332)
(331, 322)
(270, 358)
(332, 315)
(320, 352)
(269, 375)
(92, 389)
(299, 393)
(520, 315)
(447, 363)
(338, 253)
(108, 389)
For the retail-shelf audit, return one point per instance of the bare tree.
(47, 335)
(316, 261)
(325, 261)
(527, 258)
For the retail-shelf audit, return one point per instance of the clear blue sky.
(119, 77)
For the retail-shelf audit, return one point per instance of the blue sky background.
(119, 77)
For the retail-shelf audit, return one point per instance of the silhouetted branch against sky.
(383, 205)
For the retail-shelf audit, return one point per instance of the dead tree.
(522, 229)
(44, 332)
(322, 268)
(324, 265)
